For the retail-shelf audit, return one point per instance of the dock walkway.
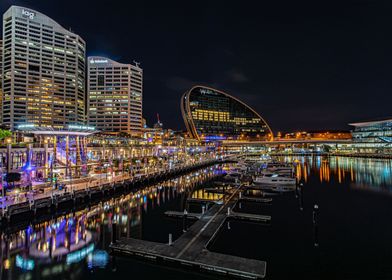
(191, 248)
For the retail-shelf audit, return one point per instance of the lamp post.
(1, 184)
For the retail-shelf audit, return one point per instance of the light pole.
(1, 184)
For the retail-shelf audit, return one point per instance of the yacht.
(274, 179)
(281, 170)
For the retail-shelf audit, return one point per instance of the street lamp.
(1, 184)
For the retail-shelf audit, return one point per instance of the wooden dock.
(249, 217)
(179, 214)
(215, 190)
(201, 200)
(190, 250)
(255, 199)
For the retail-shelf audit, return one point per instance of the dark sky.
(301, 65)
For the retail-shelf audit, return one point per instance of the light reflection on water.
(72, 245)
(67, 245)
(366, 173)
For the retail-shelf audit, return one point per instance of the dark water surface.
(355, 229)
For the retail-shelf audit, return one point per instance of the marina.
(142, 248)
(190, 249)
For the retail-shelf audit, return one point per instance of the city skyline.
(195, 140)
(332, 59)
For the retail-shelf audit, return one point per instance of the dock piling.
(114, 232)
(315, 225)
(184, 221)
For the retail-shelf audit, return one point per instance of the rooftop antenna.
(136, 63)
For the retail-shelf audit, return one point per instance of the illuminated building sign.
(28, 14)
(81, 127)
(26, 125)
(98, 61)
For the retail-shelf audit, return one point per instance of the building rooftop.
(367, 123)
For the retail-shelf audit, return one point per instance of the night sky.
(302, 65)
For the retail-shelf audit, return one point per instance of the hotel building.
(115, 92)
(211, 114)
(43, 71)
(1, 80)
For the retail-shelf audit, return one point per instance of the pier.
(190, 250)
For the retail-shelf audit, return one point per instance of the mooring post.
(114, 263)
(315, 224)
(184, 222)
(114, 232)
(170, 239)
(301, 198)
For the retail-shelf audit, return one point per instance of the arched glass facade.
(212, 114)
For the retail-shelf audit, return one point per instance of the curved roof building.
(213, 114)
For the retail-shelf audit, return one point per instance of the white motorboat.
(274, 179)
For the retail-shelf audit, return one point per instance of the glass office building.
(373, 137)
(115, 92)
(43, 71)
(210, 114)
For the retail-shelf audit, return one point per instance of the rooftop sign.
(98, 61)
(28, 14)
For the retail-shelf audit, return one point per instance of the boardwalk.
(191, 249)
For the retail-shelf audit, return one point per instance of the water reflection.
(371, 174)
(67, 245)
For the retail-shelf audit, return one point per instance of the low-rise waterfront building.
(373, 136)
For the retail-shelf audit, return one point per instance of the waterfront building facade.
(43, 71)
(115, 92)
(211, 114)
(373, 136)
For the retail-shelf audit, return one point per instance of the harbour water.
(353, 195)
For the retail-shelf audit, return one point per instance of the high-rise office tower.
(115, 92)
(1, 81)
(43, 71)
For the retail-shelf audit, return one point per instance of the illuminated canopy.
(76, 130)
(210, 114)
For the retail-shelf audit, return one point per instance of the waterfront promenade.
(82, 190)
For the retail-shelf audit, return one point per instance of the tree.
(4, 134)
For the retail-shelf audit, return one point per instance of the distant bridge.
(286, 142)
